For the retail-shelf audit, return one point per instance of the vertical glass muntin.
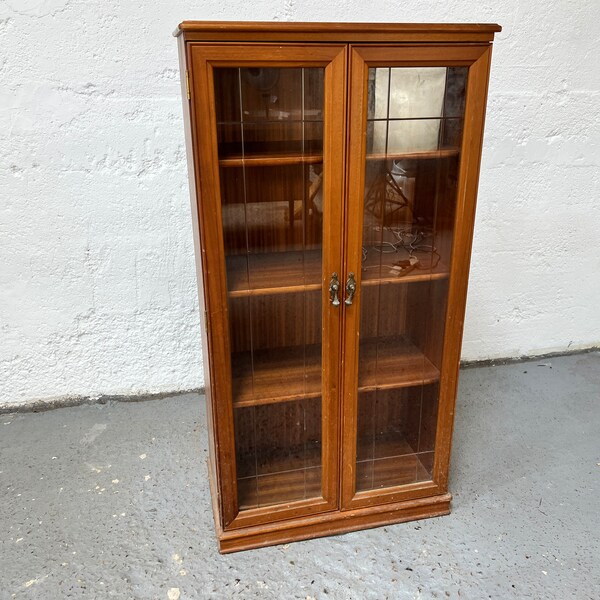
(270, 143)
(414, 129)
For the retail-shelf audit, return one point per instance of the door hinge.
(187, 84)
(206, 322)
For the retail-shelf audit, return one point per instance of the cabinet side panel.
(189, 146)
(468, 181)
(199, 256)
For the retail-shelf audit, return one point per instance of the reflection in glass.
(411, 109)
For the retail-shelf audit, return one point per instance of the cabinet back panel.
(260, 322)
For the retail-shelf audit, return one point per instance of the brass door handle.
(334, 289)
(350, 289)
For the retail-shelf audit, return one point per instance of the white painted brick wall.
(97, 290)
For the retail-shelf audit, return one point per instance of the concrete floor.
(112, 501)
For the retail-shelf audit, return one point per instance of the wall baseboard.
(494, 362)
(66, 401)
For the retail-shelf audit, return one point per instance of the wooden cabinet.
(333, 170)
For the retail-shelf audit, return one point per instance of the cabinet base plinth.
(332, 523)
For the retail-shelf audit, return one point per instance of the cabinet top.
(257, 31)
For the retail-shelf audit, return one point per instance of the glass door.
(403, 195)
(276, 198)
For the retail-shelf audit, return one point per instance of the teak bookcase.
(333, 174)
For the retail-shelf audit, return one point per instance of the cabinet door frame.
(202, 58)
(361, 57)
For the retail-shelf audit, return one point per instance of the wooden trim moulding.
(335, 32)
(331, 523)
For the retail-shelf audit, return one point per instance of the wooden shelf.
(270, 160)
(293, 272)
(280, 475)
(379, 268)
(288, 374)
(273, 273)
(268, 457)
(276, 375)
(280, 159)
(418, 155)
(392, 462)
(275, 488)
(258, 119)
(393, 363)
